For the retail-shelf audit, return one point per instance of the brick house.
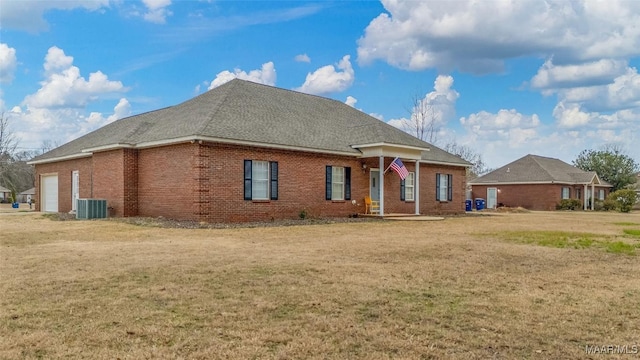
(249, 152)
(538, 183)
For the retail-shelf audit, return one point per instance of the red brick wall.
(302, 186)
(64, 170)
(532, 197)
(167, 182)
(204, 182)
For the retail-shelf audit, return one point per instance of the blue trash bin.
(469, 205)
(15, 205)
(479, 204)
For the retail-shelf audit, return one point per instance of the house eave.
(445, 163)
(201, 139)
(535, 183)
(59, 158)
(390, 150)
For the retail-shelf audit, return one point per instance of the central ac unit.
(91, 209)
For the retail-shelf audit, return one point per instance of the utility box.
(91, 209)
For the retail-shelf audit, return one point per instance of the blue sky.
(505, 78)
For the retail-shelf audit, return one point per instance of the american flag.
(399, 167)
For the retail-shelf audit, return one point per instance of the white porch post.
(584, 201)
(416, 187)
(381, 182)
(593, 195)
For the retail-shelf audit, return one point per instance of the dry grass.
(436, 289)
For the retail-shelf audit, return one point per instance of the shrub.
(569, 204)
(303, 214)
(624, 199)
(609, 204)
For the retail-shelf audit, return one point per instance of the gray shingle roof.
(244, 111)
(538, 169)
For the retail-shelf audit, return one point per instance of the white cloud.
(598, 72)
(570, 116)
(27, 15)
(302, 58)
(623, 92)
(438, 106)
(477, 36)
(351, 101)
(266, 75)
(8, 63)
(65, 87)
(157, 11)
(506, 126)
(327, 79)
(58, 110)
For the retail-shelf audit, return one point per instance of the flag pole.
(385, 171)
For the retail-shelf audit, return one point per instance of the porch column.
(381, 172)
(584, 201)
(593, 195)
(416, 187)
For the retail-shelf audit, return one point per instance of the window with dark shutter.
(247, 179)
(328, 183)
(347, 183)
(450, 187)
(274, 180)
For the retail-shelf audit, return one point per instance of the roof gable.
(538, 169)
(240, 111)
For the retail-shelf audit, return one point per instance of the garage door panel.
(50, 193)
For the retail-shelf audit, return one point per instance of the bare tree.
(478, 168)
(423, 121)
(8, 146)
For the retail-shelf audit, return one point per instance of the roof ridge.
(220, 102)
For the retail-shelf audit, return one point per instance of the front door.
(492, 198)
(75, 190)
(374, 184)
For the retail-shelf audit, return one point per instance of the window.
(338, 183)
(260, 180)
(578, 194)
(566, 193)
(444, 188)
(407, 187)
(601, 194)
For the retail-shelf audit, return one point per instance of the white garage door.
(49, 187)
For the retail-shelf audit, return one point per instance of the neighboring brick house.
(249, 152)
(538, 183)
(5, 194)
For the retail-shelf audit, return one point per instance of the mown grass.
(575, 240)
(408, 290)
(632, 232)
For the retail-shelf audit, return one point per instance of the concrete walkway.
(406, 217)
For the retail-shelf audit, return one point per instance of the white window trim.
(568, 193)
(335, 182)
(444, 188)
(255, 180)
(412, 176)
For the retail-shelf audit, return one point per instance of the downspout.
(381, 166)
(416, 187)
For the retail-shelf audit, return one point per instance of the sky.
(503, 78)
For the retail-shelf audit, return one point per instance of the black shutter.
(402, 190)
(347, 183)
(274, 180)
(450, 187)
(247, 179)
(328, 188)
(438, 187)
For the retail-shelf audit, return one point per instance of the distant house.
(250, 152)
(27, 195)
(5, 194)
(539, 183)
